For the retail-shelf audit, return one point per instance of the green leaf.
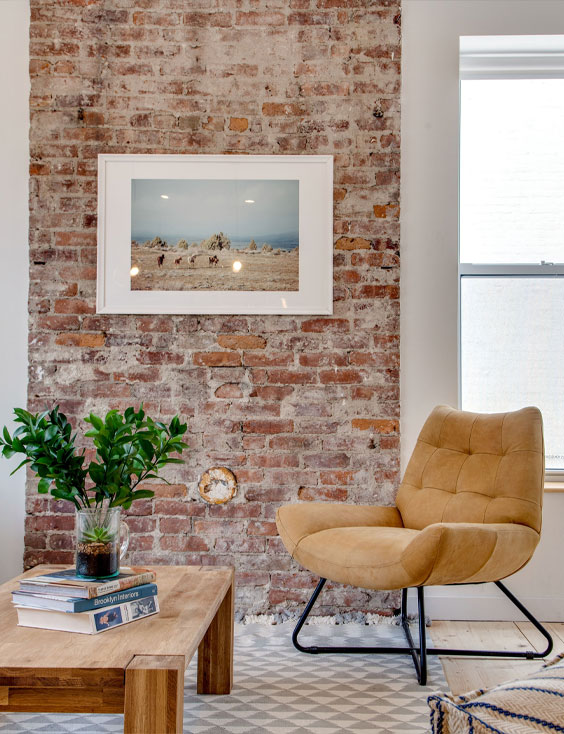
(141, 493)
(50, 433)
(96, 421)
(43, 486)
(19, 466)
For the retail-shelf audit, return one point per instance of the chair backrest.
(475, 467)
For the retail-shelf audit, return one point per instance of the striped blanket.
(529, 706)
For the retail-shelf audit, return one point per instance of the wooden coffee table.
(137, 669)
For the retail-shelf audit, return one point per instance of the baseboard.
(466, 606)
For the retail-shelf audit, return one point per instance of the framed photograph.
(215, 234)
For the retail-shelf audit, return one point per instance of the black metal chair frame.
(419, 652)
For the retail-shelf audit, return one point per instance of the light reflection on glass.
(237, 266)
(134, 271)
(164, 196)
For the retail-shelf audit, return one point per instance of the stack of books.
(64, 601)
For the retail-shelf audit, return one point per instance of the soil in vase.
(97, 560)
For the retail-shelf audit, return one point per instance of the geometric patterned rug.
(278, 690)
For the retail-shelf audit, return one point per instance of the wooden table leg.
(215, 653)
(154, 694)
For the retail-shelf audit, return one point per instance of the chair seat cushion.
(532, 704)
(368, 546)
(369, 557)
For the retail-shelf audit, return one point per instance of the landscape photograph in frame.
(214, 234)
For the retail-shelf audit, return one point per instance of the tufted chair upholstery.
(468, 510)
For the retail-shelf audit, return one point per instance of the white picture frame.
(314, 175)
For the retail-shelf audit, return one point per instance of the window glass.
(512, 350)
(512, 171)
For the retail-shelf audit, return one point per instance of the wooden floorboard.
(467, 674)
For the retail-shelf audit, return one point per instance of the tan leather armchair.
(468, 511)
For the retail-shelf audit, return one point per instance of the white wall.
(14, 156)
(429, 231)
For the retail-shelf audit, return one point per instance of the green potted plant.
(130, 448)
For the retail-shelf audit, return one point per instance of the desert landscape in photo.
(223, 235)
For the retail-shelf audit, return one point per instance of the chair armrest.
(296, 522)
(456, 553)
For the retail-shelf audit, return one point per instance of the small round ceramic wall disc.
(218, 485)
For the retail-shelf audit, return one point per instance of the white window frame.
(506, 57)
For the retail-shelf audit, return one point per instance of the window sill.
(554, 487)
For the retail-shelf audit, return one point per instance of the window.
(511, 249)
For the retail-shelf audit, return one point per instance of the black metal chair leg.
(419, 653)
(303, 618)
(317, 650)
(418, 656)
(422, 637)
(527, 654)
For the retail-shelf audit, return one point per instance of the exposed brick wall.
(300, 408)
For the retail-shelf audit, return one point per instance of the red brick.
(282, 109)
(50, 522)
(141, 524)
(290, 377)
(291, 443)
(58, 323)
(75, 239)
(151, 374)
(376, 291)
(328, 377)
(259, 359)
(326, 460)
(338, 477)
(274, 460)
(154, 323)
(217, 359)
(229, 390)
(283, 596)
(165, 490)
(146, 357)
(318, 494)
(257, 527)
(323, 325)
(272, 393)
(382, 360)
(386, 211)
(174, 525)
(323, 359)
(352, 243)
(81, 340)
(251, 578)
(238, 124)
(233, 510)
(378, 425)
(73, 305)
(141, 543)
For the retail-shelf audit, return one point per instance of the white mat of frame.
(281, 691)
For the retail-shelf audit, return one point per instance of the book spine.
(120, 597)
(120, 584)
(123, 614)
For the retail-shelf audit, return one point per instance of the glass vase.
(102, 539)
